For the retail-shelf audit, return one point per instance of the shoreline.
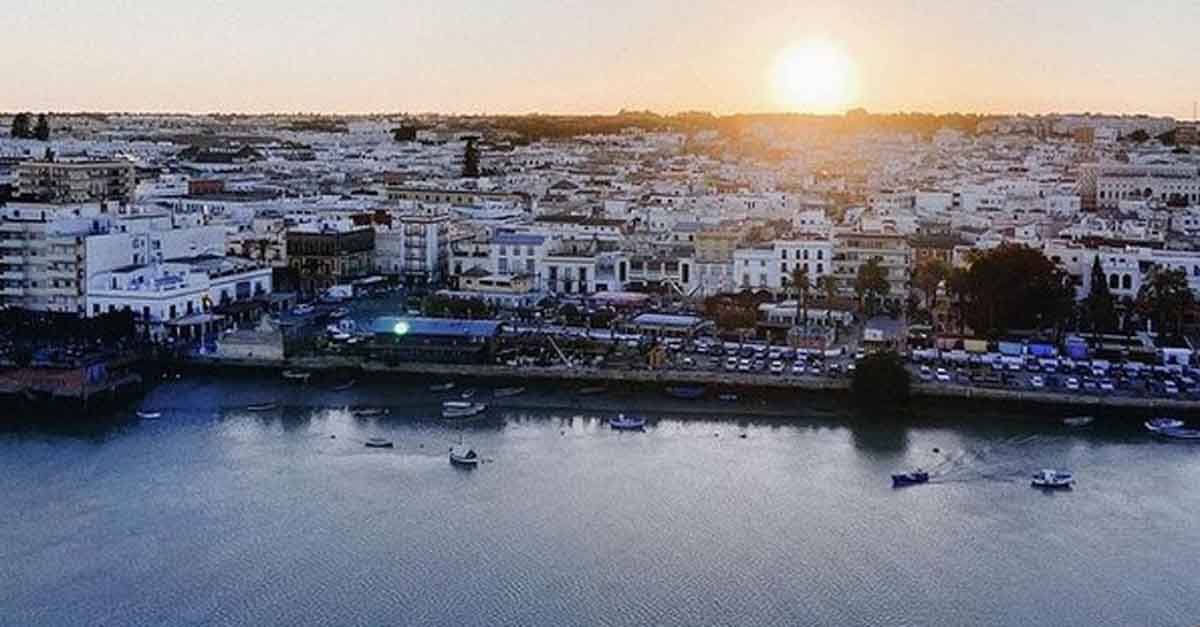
(922, 393)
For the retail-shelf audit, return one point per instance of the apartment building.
(855, 247)
(43, 254)
(415, 248)
(76, 181)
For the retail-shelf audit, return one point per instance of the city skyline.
(574, 58)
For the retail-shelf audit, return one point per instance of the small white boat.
(729, 398)
(149, 415)
(463, 455)
(1078, 421)
(627, 423)
(296, 375)
(1161, 424)
(342, 387)
(266, 406)
(378, 442)
(462, 409)
(507, 392)
(442, 387)
(340, 312)
(468, 393)
(592, 390)
(368, 412)
(1052, 479)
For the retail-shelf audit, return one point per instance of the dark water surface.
(214, 515)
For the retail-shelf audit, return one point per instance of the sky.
(598, 56)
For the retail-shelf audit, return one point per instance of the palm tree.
(828, 286)
(801, 285)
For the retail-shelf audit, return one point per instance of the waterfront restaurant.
(434, 340)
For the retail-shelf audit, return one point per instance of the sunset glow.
(813, 77)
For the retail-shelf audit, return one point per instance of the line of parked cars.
(1074, 376)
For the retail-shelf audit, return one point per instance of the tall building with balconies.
(76, 181)
(43, 253)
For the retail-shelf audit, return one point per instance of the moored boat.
(1052, 479)
(592, 390)
(729, 398)
(686, 392)
(148, 415)
(910, 478)
(1158, 424)
(1078, 421)
(507, 392)
(342, 387)
(469, 393)
(264, 406)
(463, 455)
(462, 409)
(378, 442)
(368, 412)
(442, 387)
(296, 375)
(627, 423)
(1179, 433)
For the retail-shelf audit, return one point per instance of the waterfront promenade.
(592, 376)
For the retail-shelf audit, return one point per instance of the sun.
(813, 76)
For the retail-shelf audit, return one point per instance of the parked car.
(942, 375)
(1072, 383)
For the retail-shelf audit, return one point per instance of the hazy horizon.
(578, 58)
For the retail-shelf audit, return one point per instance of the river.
(746, 513)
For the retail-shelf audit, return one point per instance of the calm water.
(216, 516)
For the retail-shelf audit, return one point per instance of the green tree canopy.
(1164, 298)
(1013, 287)
(22, 126)
(881, 378)
(928, 275)
(42, 130)
(1100, 308)
(871, 285)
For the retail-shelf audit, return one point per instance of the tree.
(471, 160)
(881, 378)
(1014, 287)
(928, 277)
(21, 128)
(1164, 298)
(41, 132)
(1139, 136)
(828, 286)
(1100, 308)
(801, 286)
(871, 285)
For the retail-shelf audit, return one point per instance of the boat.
(729, 398)
(368, 412)
(1078, 421)
(463, 455)
(442, 387)
(592, 390)
(627, 423)
(149, 415)
(296, 375)
(265, 406)
(1053, 479)
(469, 393)
(342, 387)
(340, 312)
(686, 392)
(910, 478)
(378, 442)
(1179, 433)
(462, 409)
(1158, 424)
(507, 392)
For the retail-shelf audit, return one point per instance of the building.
(323, 254)
(854, 248)
(1109, 184)
(664, 325)
(416, 248)
(43, 254)
(76, 181)
(178, 298)
(441, 340)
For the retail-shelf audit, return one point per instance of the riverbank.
(333, 366)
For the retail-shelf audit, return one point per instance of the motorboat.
(469, 393)
(463, 455)
(1179, 433)
(729, 398)
(627, 423)
(342, 387)
(1158, 424)
(264, 406)
(296, 375)
(462, 409)
(508, 392)
(1053, 479)
(149, 415)
(592, 390)
(910, 478)
(369, 412)
(686, 392)
(1078, 421)
(378, 442)
(442, 387)
(340, 312)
